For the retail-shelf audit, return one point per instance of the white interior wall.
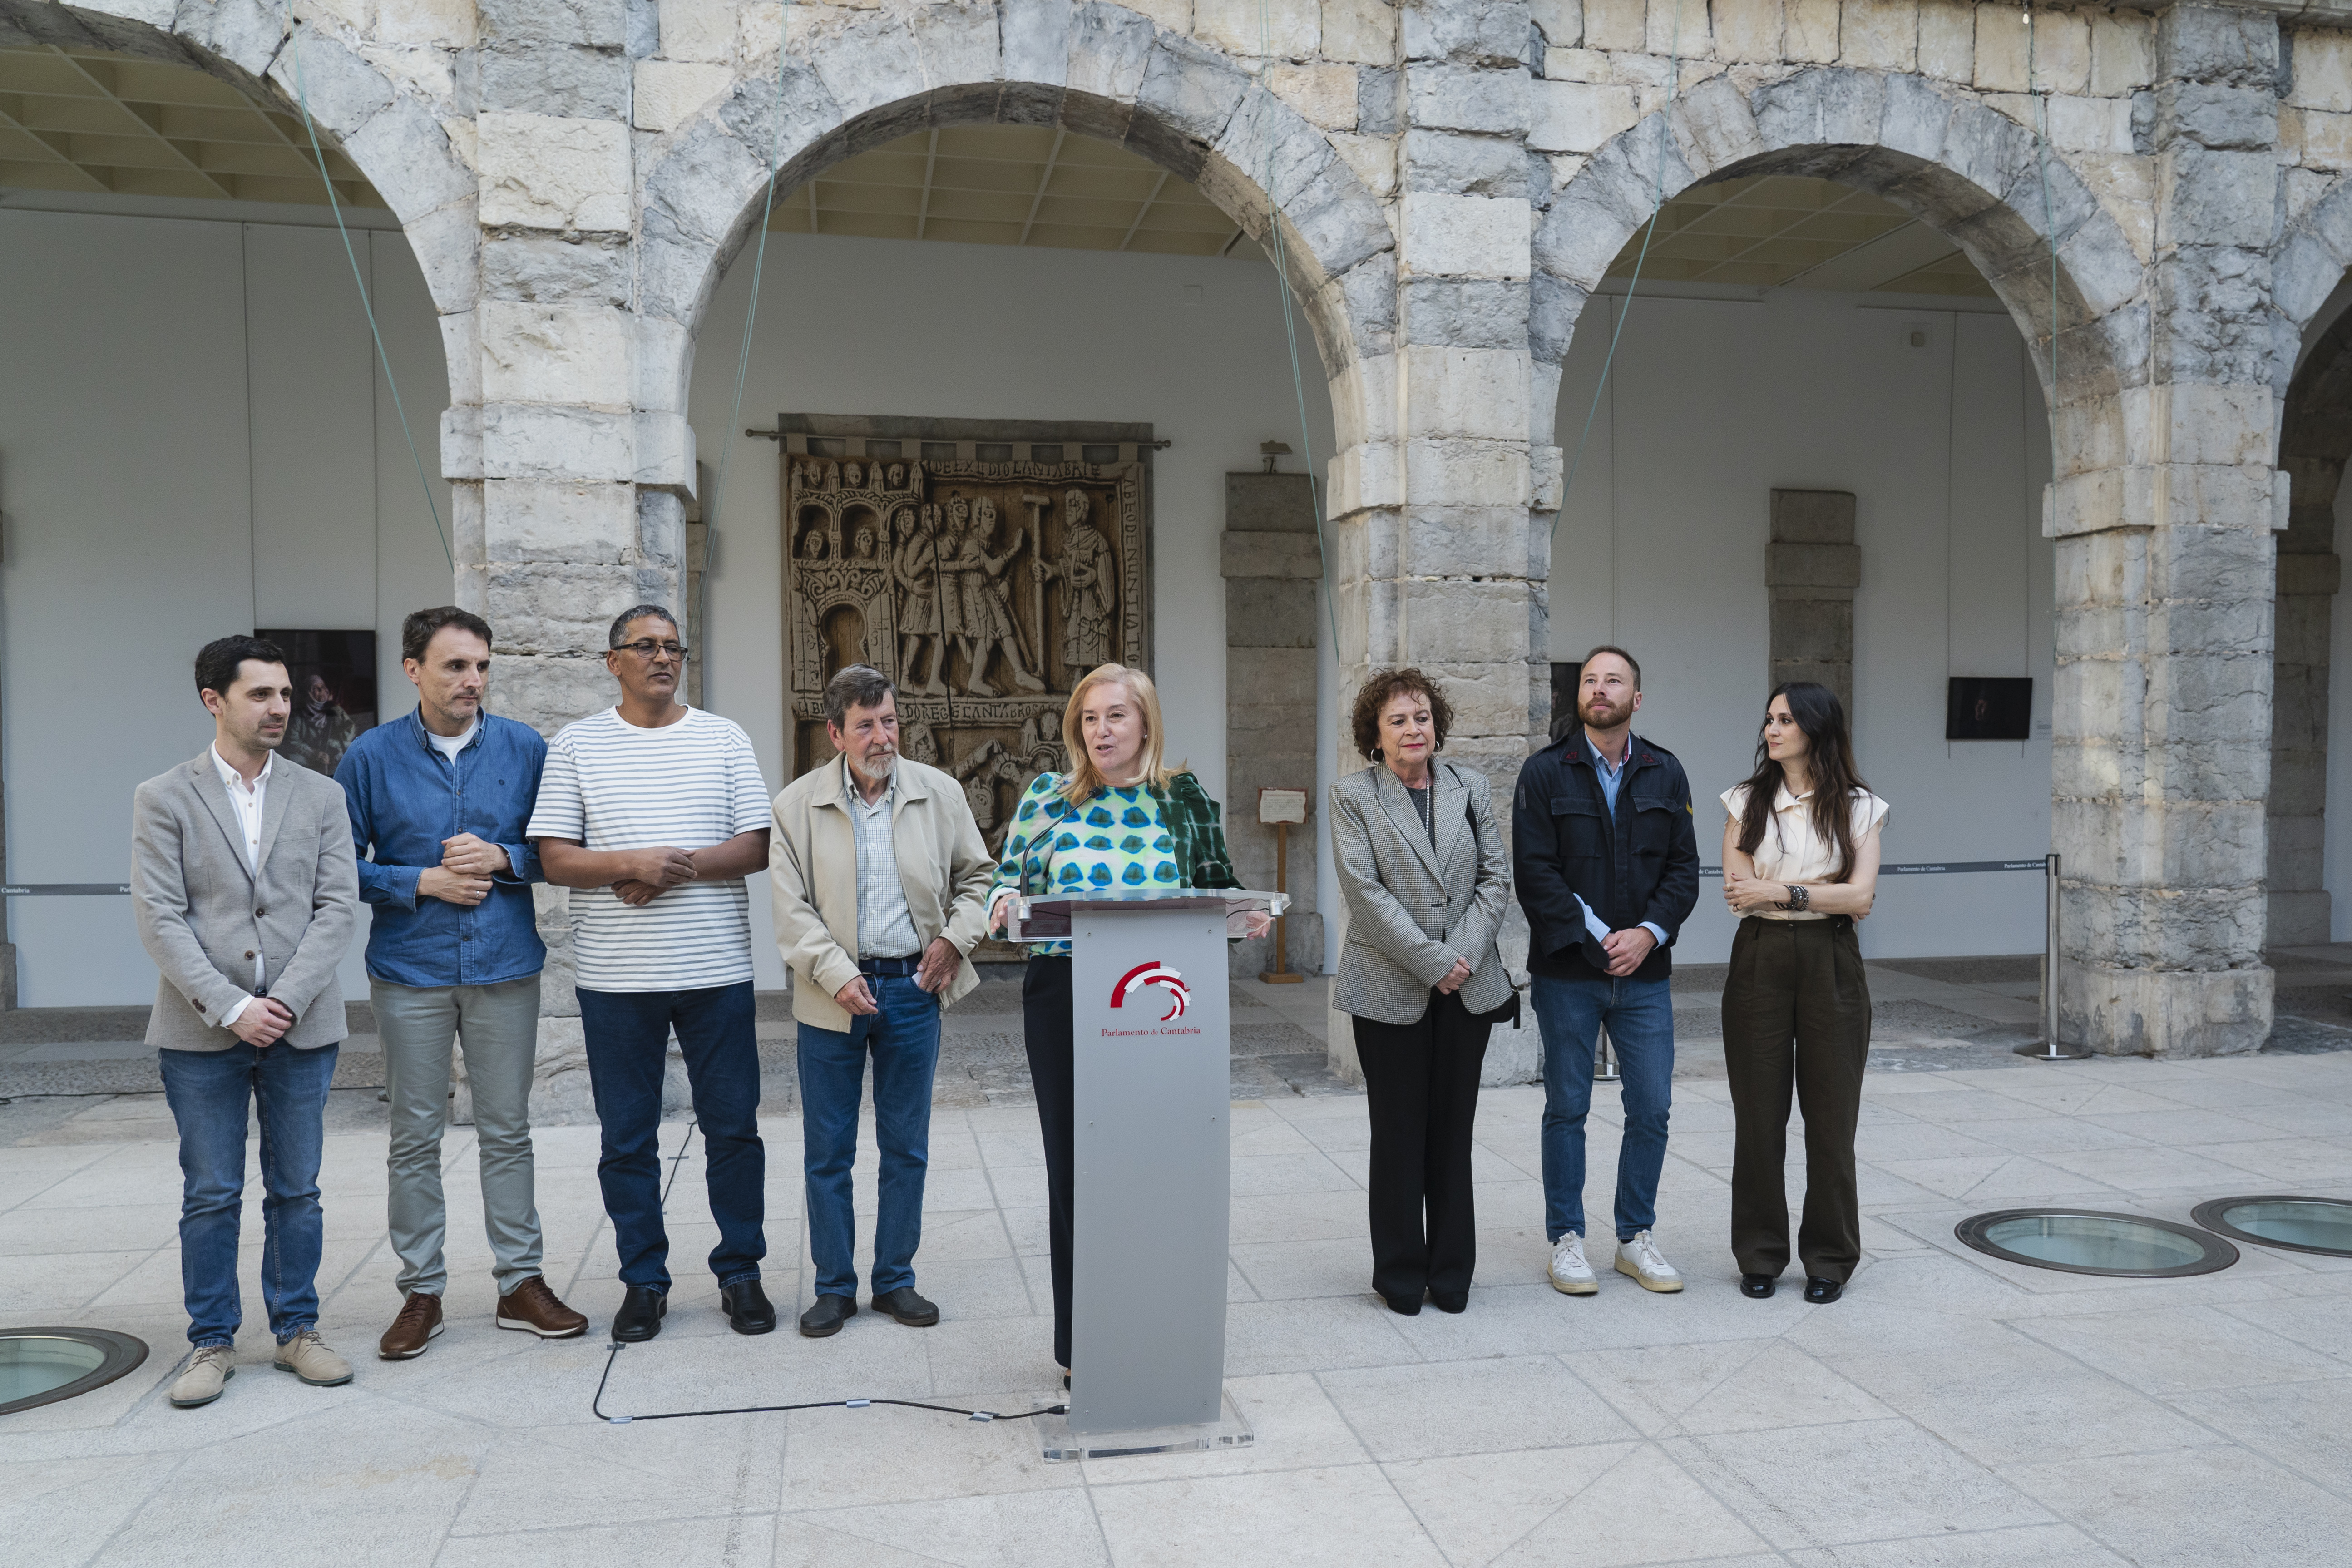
(2337, 851)
(1193, 346)
(1714, 404)
(194, 440)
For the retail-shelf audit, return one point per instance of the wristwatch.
(1800, 897)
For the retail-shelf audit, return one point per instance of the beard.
(1585, 712)
(877, 765)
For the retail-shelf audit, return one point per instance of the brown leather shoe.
(419, 1320)
(534, 1309)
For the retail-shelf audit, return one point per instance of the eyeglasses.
(646, 649)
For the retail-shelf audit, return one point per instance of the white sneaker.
(1570, 1275)
(1640, 1258)
(200, 1382)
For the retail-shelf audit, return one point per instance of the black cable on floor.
(596, 1404)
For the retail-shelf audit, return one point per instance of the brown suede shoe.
(419, 1320)
(534, 1309)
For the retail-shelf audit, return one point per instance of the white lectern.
(1151, 1037)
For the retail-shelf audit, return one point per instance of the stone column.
(2314, 444)
(1811, 568)
(1441, 561)
(2161, 759)
(1274, 613)
(571, 471)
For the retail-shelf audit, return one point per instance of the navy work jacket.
(405, 798)
(1640, 863)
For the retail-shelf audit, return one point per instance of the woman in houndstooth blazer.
(1421, 865)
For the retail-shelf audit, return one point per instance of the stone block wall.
(1273, 616)
(1446, 181)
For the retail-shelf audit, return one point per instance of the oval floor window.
(2297, 1224)
(2086, 1241)
(42, 1366)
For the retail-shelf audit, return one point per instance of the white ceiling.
(1783, 231)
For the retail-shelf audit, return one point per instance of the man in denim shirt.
(438, 800)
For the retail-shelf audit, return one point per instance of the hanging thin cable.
(710, 502)
(1648, 232)
(1297, 381)
(335, 202)
(2041, 166)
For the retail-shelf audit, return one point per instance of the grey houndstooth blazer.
(203, 914)
(1413, 906)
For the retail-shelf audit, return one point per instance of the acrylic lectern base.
(1230, 1430)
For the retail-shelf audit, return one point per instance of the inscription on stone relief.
(983, 576)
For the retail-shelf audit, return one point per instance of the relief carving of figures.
(1089, 583)
(915, 571)
(988, 624)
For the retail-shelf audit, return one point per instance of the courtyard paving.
(1951, 1410)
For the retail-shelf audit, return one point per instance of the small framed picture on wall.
(1987, 708)
(334, 693)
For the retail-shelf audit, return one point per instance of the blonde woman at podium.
(1118, 818)
(1421, 865)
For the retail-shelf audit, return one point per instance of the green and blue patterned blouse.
(1137, 837)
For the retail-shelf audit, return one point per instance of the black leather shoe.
(748, 1308)
(640, 1315)
(1759, 1286)
(827, 1316)
(1819, 1290)
(906, 1307)
(1454, 1303)
(1404, 1306)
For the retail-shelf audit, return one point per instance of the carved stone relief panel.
(985, 567)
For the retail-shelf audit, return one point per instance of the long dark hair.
(1830, 760)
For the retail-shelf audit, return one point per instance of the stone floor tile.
(730, 1541)
(888, 1454)
(1471, 1406)
(1919, 1141)
(1019, 1529)
(1017, 1186)
(1011, 1360)
(2149, 1168)
(62, 1510)
(400, 1510)
(570, 1477)
(1740, 1385)
(1342, 1516)
(49, 1287)
(2179, 1126)
(1288, 1271)
(1997, 1180)
(2027, 1546)
(1477, 1509)
(951, 1235)
(1292, 1425)
(2174, 1349)
(2304, 1426)
(1274, 1175)
(1646, 1508)
(2322, 1322)
(1963, 1105)
(1298, 1216)
(1027, 1226)
(2049, 1133)
(1258, 1133)
(1859, 1481)
(1312, 1335)
(2193, 1508)
(29, 1232)
(2293, 1162)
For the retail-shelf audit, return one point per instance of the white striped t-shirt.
(609, 784)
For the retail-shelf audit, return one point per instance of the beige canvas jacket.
(943, 864)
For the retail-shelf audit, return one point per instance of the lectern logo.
(1153, 974)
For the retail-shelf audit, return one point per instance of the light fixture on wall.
(1270, 450)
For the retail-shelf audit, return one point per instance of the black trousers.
(1045, 1030)
(1796, 1011)
(1421, 1080)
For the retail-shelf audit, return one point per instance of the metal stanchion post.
(1604, 1057)
(2050, 1050)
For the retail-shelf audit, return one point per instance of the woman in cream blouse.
(1800, 868)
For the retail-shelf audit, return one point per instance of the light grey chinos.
(498, 1028)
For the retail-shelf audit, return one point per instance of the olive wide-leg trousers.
(1796, 1013)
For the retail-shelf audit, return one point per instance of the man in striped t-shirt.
(653, 813)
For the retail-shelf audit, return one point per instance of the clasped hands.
(463, 878)
(653, 872)
(940, 961)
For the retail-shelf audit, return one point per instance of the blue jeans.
(209, 1093)
(628, 1035)
(904, 1038)
(1641, 1018)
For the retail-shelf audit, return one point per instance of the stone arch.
(1966, 170)
(857, 79)
(389, 131)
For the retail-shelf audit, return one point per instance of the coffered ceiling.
(1782, 231)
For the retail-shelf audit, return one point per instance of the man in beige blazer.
(878, 873)
(243, 883)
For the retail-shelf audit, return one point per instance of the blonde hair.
(1085, 780)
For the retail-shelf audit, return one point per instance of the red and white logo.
(1153, 974)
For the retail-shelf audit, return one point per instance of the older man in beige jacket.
(878, 874)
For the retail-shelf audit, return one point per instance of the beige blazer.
(1414, 907)
(943, 865)
(203, 914)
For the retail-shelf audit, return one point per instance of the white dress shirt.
(248, 804)
(1790, 851)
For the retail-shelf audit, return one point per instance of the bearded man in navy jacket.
(1606, 861)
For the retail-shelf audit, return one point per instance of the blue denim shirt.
(405, 798)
